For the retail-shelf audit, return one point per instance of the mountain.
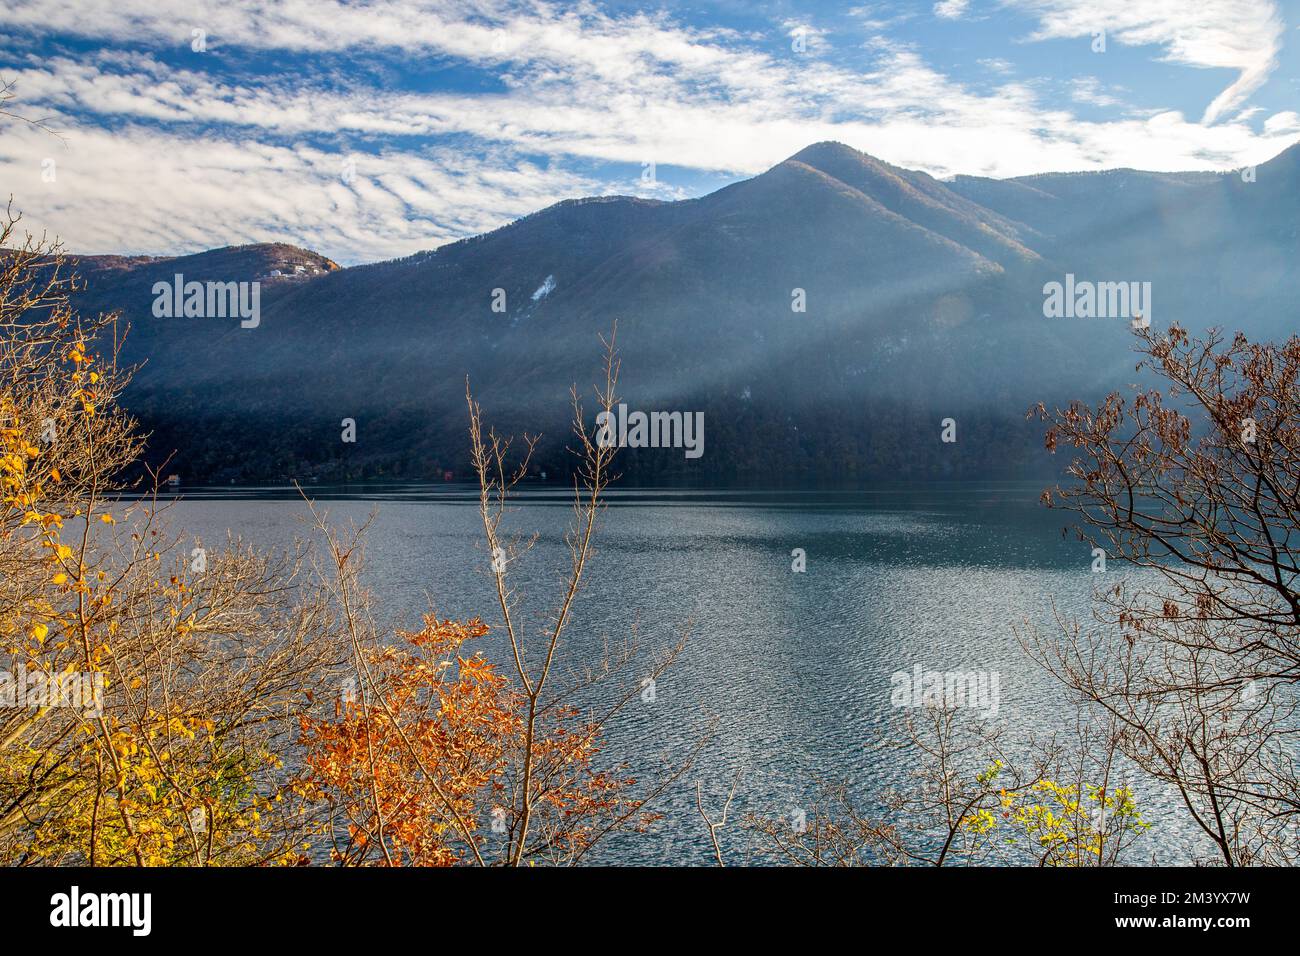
(925, 201)
(923, 300)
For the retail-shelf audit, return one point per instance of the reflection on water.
(795, 667)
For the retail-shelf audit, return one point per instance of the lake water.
(794, 668)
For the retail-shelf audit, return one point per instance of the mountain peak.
(919, 198)
(260, 260)
(830, 150)
(1287, 161)
(254, 261)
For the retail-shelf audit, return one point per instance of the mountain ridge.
(1289, 156)
(921, 299)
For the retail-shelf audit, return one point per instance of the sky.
(372, 130)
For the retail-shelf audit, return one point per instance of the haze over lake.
(795, 667)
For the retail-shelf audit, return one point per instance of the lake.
(794, 668)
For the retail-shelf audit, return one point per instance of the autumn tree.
(187, 670)
(1194, 654)
(438, 755)
(969, 797)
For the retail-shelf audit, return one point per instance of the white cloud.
(575, 87)
(139, 190)
(1282, 124)
(951, 9)
(749, 122)
(805, 38)
(1241, 35)
(1089, 90)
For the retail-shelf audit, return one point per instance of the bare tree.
(713, 825)
(968, 799)
(1195, 654)
(534, 664)
(9, 93)
(440, 737)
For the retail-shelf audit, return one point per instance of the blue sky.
(378, 129)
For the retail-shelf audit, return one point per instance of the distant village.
(292, 272)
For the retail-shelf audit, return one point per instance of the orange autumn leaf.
(434, 746)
